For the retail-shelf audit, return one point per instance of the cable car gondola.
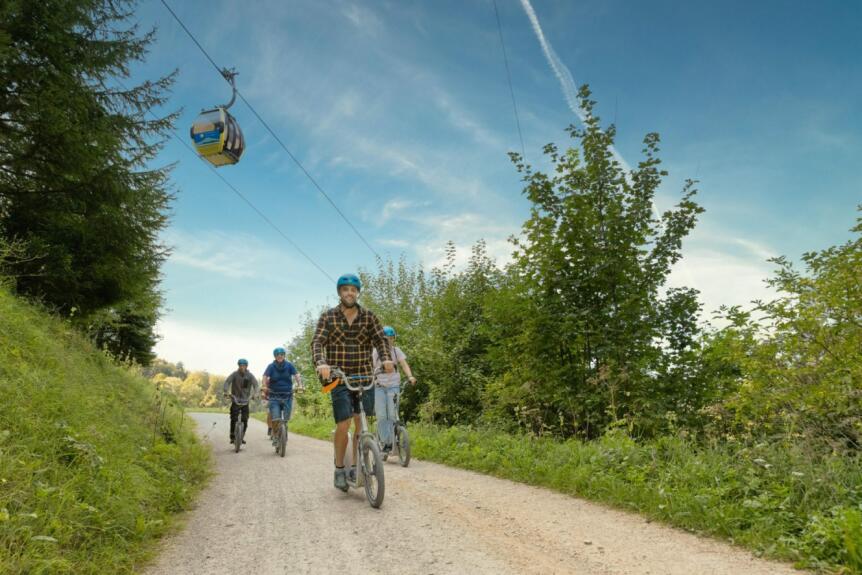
(216, 134)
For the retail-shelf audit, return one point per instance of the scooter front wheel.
(371, 467)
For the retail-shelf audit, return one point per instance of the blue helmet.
(388, 331)
(277, 351)
(242, 362)
(349, 280)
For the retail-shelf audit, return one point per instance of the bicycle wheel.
(237, 435)
(402, 440)
(371, 467)
(282, 438)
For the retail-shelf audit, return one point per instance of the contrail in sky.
(561, 71)
(570, 89)
(570, 92)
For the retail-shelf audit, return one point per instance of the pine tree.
(76, 187)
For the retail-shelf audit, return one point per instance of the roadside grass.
(777, 500)
(94, 462)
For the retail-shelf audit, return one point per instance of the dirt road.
(266, 515)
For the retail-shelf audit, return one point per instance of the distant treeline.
(192, 388)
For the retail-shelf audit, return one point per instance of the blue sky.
(401, 111)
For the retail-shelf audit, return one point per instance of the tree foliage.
(77, 192)
(599, 338)
(580, 333)
(796, 371)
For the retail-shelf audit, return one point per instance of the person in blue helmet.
(388, 386)
(240, 386)
(343, 339)
(278, 380)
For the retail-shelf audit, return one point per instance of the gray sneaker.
(352, 474)
(340, 479)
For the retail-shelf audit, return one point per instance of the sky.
(401, 111)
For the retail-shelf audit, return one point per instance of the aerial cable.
(274, 135)
(261, 214)
(243, 197)
(509, 78)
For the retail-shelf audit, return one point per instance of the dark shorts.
(345, 403)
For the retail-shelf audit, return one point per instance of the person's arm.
(266, 384)
(318, 344)
(401, 358)
(404, 365)
(255, 386)
(375, 361)
(228, 381)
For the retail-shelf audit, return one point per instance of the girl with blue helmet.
(387, 388)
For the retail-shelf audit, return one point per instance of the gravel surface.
(266, 515)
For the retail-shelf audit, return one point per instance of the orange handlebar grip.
(329, 387)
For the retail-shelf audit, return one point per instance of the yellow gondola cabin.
(216, 134)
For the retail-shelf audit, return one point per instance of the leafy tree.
(199, 379)
(400, 296)
(76, 189)
(595, 341)
(455, 339)
(213, 396)
(299, 350)
(170, 383)
(439, 321)
(165, 367)
(190, 393)
(797, 372)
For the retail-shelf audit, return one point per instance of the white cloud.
(394, 243)
(234, 255)
(348, 112)
(726, 268)
(362, 18)
(463, 121)
(722, 279)
(393, 207)
(464, 230)
(215, 348)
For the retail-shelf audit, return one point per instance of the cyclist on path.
(240, 386)
(278, 380)
(387, 388)
(343, 339)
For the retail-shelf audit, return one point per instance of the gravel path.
(266, 515)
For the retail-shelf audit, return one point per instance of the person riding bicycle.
(388, 386)
(278, 382)
(343, 339)
(240, 386)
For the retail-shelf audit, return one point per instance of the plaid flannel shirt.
(348, 346)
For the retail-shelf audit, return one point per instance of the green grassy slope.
(93, 463)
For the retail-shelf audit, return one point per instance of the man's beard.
(348, 305)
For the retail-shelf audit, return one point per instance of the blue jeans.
(384, 409)
(279, 403)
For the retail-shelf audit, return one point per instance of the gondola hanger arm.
(229, 75)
